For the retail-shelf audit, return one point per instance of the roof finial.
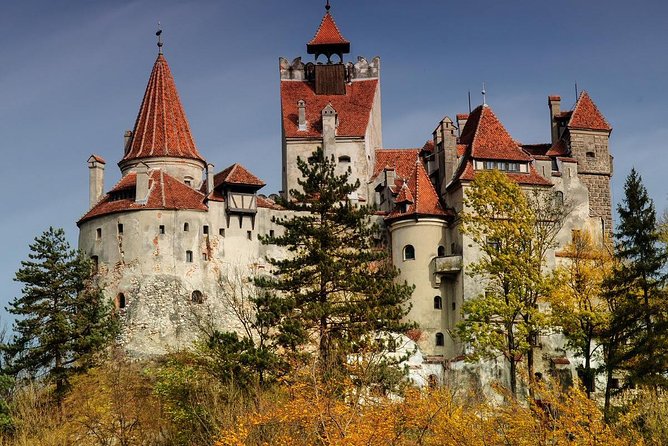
(327, 6)
(159, 34)
(576, 90)
(484, 99)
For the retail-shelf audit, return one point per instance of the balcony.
(448, 265)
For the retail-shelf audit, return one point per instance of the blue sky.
(72, 76)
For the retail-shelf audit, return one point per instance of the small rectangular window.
(221, 232)
(95, 260)
(205, 229)
(162, 229)
(120, 228)
(205, 256)
(98, 233)
(189, 256)
(249, 234)
(271, 233)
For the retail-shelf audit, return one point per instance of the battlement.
(299, 71)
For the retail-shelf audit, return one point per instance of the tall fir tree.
(635, 291)
(336, 288)
(63, 321)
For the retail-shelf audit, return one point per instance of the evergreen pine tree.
(337, 288)
(635, 290)
(62, 321)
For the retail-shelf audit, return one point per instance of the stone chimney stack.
(141, 191)
(127, 141)
(301, 106)
(329, 130)
(445, 146)
(461, 122)
(209, 178)
(95, 179)
(554, 102)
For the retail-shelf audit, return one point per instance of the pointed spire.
(586, 115)
(161, 128)
(328, 39)
(489, 139)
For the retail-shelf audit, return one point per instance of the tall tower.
(331, 104)
(586, 132)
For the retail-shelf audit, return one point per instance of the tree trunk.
(588, 376)
(608, 393)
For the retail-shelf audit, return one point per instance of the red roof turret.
(161, 128)
(587, 116)
(328, 39)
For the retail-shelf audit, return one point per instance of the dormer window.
(506, 166)
(188, 181)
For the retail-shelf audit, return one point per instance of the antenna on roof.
(469, 102)
(159, 34)
(484, 99)
(576, 90)
(327, 6)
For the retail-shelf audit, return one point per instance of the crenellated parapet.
(299, 71)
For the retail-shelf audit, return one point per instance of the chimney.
(209, 178)
(141, 191)
(127, 141)
(301, 106)
(447, 155)
(554, 102)
(461, 122)
(95, 179)
(328, 130)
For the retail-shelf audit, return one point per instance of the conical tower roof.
(161, 129)
(328, 39)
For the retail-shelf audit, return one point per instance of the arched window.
(559, 198)
(197, 297)
(189, 256)
(441, 251)
(438, 303)
(409, 252)
(186, 227)
(120, 301)
(440, 340)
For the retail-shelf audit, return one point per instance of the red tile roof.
(328, 33)
(98, 158)
(165, 192)
(268, 203)
(423, 197)
(536, 149)
(558, 149)
(587, 116)
(461, 149)
(554, 98)
(488, 139)
(353, 108)
(236, 174)
(462, 116)
(428, 146)
(161, 128)
(401, 160)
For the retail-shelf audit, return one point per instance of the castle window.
(441, 251)
(95, 261)
(440, 340)
(221, 232)
(161, 229)
(507, 166)
(186, 227)
(197, 297)
(591, 155)
(493, 243)
(205, 229)
(454, 305)
(98, 233)
(189, 256)
(438, 303)
(119, 302)
(452, 248)
(409, 252)
(249, 234)
(188, 181)
(555, 166)
(559, 198)
(344, 159)
(205, 256)
(120, 228)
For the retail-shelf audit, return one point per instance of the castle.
(171, 229)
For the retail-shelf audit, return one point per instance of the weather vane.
(327, 6)
(484, 99)
(159, 34)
